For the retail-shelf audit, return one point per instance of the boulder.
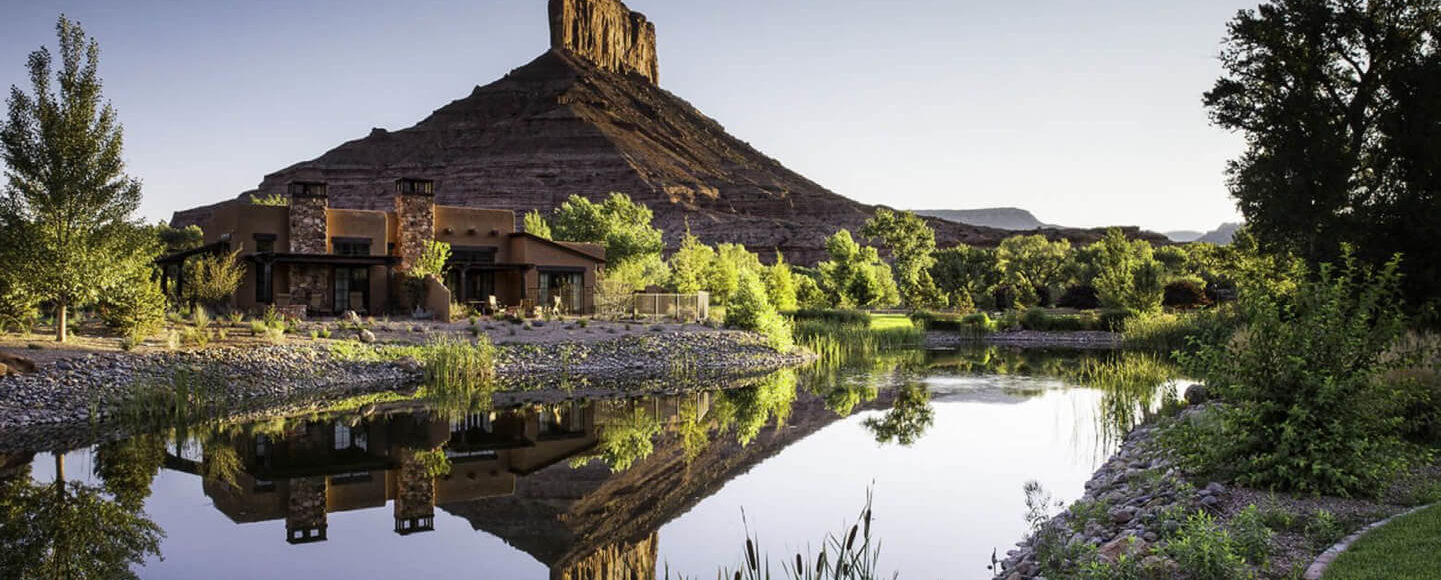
(1197, 394)
(365, 336)
(16, 364)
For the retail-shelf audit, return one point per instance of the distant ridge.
(1184, 236)
(1003, 218)
(1222, 235)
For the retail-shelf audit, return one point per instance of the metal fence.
(679, 307)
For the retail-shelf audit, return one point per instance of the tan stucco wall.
(464, 226)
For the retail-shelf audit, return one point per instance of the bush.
(1205, 551)
(750, 309)
(1080, 297)
(1308, 409)
(1184, 294)
(135, 308)
(1040, 320)
(1114, 319)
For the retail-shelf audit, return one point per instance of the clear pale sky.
(1085, 113)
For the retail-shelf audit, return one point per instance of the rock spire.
(606, 33)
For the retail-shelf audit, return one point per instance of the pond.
(943, 443)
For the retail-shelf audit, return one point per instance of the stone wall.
(416, 215)
(306, 504)
(606, 33)
(310, 286)
(308, 233)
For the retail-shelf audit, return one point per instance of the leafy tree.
(965, 273)
(809, 293)
(780, 284)
(1127, 273)
(690, 265)
(67, 201)
(750, 309)
(535, 224)
(621, 225)
(135, 307)
(174, 240)
(855, 276)
(1337, 100)
(913, 245)
(1033, 266)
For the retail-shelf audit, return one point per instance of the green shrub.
(1115, 319)
(979, 322)
(750, 309)
(1322, 530)
(135, 308)
(1185, 294)
(1307, 410)
(1205, 551)
(1252, 535)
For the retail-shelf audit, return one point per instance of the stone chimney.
(607, 34)
(308, 200)
(415, 218)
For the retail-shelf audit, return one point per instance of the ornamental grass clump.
(456, 364)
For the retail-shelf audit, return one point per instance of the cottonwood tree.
(1338, 101)
(1032, 265)
(913, 246)
(632, 245)
(68, 203)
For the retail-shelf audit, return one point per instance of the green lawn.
(889, 321)
(1407, 548)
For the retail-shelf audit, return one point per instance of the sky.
(1086, 113)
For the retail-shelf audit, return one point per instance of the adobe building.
(332, 261)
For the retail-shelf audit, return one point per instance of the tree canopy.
(1338, 101)
(67, 202)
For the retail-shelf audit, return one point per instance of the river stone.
(1196, 394)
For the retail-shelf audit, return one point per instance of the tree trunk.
(60, 322)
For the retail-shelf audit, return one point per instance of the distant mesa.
(588, 117)
(1220, 236)
(1002, 218)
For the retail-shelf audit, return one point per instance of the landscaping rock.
(1197, 394)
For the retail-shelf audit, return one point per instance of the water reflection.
(582, 487)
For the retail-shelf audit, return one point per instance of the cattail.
(800, 566)
(751, 554)
(868, 523)
(851, 539)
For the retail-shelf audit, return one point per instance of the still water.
(594, 489)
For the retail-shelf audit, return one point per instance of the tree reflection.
(129, 466)
(910, 415)
(624, 440)
(70, 530)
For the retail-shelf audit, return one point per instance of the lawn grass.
(1408, 547)
(890, 321)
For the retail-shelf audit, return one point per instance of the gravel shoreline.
(89, 389)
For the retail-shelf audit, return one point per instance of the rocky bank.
(96, 387)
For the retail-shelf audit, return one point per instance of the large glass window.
(352, 289)
(562, 288)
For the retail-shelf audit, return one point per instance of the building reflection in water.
(302, 470)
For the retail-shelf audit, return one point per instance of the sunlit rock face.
(607, 34)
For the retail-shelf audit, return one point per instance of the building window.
(264, 243)
(264, 282)
(351, 246)
(562, 288)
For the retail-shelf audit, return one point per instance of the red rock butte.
(588, 118)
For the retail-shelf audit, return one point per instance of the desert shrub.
(1080, 297)
(1036, 319)
(1184, 293)
(1306, 409)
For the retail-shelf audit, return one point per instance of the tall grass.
(836, 341)
(1186, 332)
(851, 555)
(456, 364)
